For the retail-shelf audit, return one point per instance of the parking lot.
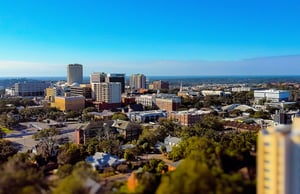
(23, 137)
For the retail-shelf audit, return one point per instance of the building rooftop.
(191, 112)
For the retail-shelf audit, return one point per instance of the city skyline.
(154, 38)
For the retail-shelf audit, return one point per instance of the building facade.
(74, 73)
(137, 81)
(116, 77)
(82, 90)
(73, 103)
(278, 156)
(50, 94)
(31, 88)
(188, 118)
(108, 92)
(168, 102)
(146, 100)
(97, 77)
(160, 85)
(147, 116)
(271, 95)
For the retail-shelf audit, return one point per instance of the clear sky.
(155, 37)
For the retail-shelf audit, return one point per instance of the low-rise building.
(188, 118)
(104, 115)
(271, 95)
(168, 104)
(34, 88)
(212, 93)
(129, 129)
(147, 116)
(72, 103)
(159, 85)
(101, 160)
(170, 142)
(146, 100)
(93, 129)
(241, 89)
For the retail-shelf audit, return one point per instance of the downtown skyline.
(151, 37)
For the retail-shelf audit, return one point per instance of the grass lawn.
(6, 130)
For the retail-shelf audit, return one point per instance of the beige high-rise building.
(278, 159)
(74, 74)
(108, 92)
(137, 81)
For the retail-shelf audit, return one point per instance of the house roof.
(95, 124)
(120, 124)
(102, 159)
(173, 140)
(230, 107)
(243, 108)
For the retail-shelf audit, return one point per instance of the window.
(267, 143)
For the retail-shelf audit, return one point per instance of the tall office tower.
(278, 159)
(95, 78)
(108, 92)
(116, 77)
(74, 73)
(137, 81)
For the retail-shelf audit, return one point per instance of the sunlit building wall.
(278, 159)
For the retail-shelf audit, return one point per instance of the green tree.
(89, 109)
(167, 127)
(191, 177)
(120, 116)
(72, 115)
(163, 149)
(130, 154)
(20, 175)
(6, 150)
(64, 171)
(2, 134)
(194, 176)
(47, 147)
(76, 182)
(261, 114)
(70, 153)
(211, 122)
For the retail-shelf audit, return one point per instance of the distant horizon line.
(59, 76)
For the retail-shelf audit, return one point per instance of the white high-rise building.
(278, 159)
(74, 74)
(108, 92)
(96, 78)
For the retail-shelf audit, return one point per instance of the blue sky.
(155, 37)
